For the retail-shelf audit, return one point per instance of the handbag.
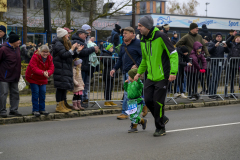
(21, 83)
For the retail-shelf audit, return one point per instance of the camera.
(221, 44)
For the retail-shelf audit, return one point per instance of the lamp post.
(206, 7)
(133, 13)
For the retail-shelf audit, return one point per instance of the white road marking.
(1, 152)
(212, 126)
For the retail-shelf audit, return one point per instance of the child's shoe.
(75, 106)
(133, 128)
(107, 104)
(143, 122)
(79, 105)
(112, 104)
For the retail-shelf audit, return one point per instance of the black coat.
(217, 52)
(62, 60)
(84, 54)
(183, 60)
(108, 64)
(234, 52)
(204, 32)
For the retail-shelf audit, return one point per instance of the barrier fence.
(220, 80)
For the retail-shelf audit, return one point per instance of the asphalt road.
(217, 137)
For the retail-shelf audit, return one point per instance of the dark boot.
(145, 111)
(67, 105)
(159, 132)
(143, 122)
(133, 128)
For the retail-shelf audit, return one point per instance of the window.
(158, 7)
(38, 4)
(17, 3)
(143, 7)
(151, 7)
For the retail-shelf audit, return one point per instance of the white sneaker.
(192, 99)
(183, 95)
(176, 95)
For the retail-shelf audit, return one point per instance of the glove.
(208, 59)
(202, 70)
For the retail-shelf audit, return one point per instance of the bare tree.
(189, 8)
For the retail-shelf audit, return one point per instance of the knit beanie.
(3, 28)
(117, 27)
(61, 32)
(204, 26)
(147, 21)
(132, 73)
(107, 45)
(13, 38)
(184, 49)
(165, 26)
(193, 26)
(206, 38)
(218, 33)
(77, 62)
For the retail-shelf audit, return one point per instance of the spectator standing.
(234, 52)
(189, 39)
(230, 34)
(63, 51)
(160, 59)
(100, 46)
(79, 37)
(174, 39)
(204, 32)
(40, 68)
(197, 56)
(88, 30)
(115, 35)
(3, 35)
(23, 51)
(10, 70)
(216, 51)
(166, 28)
(130, 47)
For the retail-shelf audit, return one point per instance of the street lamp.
(206, 7)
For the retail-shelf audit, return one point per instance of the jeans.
(125, 99)
(216, 75)
(183, 84)
(38, 97)
(85, 77)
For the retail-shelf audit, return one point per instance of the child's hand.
(126, 81)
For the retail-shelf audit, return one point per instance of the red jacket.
(36, 67)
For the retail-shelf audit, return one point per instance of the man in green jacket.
(191, 37)
(160, 59)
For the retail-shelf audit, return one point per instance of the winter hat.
(132, 73)
(184, 49)
(165, 26)
(77, 62)
(86, 27)
(107, 45)
(206, 38)
(147, 21)
(3, 28)
(193, 26)
(61, 32)
(117, 27)
(204, 26)
(13, 38)
(218, 33)
(174, 32)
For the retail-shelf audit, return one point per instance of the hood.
(55, 40)
(151, 34)
(196, 45)
(76, 37)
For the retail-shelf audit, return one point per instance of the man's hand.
(217, 44)
(136, 77)
(189, 64)
(134, 66)
(172, 78)
(74, 46)
(234, 33)
(96, 49)
(80, 48)
(112, 72)
(225, 45)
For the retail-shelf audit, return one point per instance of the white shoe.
(192, 99)
(176, 95)
(183, 95)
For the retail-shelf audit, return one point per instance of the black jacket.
(204, 32)
(234, 51)
(3, 39)
(115, 37)
(62, 60)
(108, 64)
(84, 54)
(217, 52)
(183, 60)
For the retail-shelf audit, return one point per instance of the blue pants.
(38, 97)
(85, 77)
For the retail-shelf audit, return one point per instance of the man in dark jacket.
(204, 32)
(133, 47)
(80, 38)
(100, 46)
(115, 35)
(3, 35)
(233, 69)
(217, 54)
(230, 34)
(10, 70)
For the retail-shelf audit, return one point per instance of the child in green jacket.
(135, 103)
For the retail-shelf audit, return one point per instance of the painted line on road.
(1, 152)
(212, 126)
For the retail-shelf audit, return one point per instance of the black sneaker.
(212, 97)
(15, 113)
(3, 115)
(159, 132)
(44, 113)
(133, 128)
(36, 114)
(144, 125)
(165, 119)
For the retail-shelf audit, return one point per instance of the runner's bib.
(132, 107)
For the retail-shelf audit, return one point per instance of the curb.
(74, 114)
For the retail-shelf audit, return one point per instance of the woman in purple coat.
(199, 66)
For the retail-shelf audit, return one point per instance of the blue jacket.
(134, 50)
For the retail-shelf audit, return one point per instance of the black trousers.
(192, 83)
(77, 97)
(231, 73)
(154, 95)
(60, 94)
(179, 82)
(108, 88)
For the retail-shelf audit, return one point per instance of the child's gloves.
(202, 70)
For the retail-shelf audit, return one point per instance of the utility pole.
(206, 7)
(47, 20)
(133, 14)
(25, 21)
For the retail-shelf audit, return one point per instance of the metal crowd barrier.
(220, 79)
